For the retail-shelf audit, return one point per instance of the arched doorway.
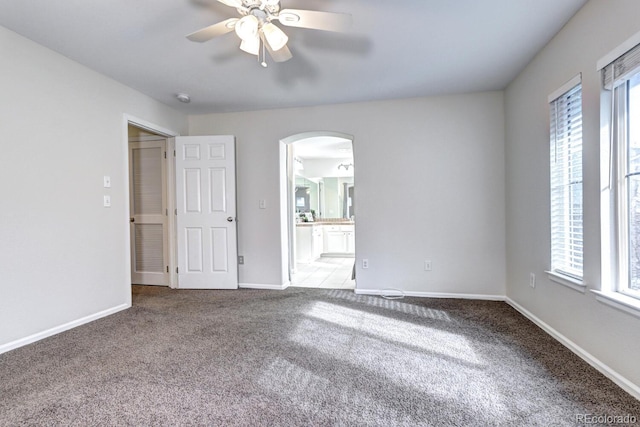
(317, 195)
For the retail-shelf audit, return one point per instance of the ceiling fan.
(257, 32)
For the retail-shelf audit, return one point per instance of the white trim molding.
(141, 123)
(65, 327)
(565, 88)
(622, 382)
(396, 293)
(569, 282)
(619, 301)
(264, 286)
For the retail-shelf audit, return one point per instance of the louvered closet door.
(149, 252)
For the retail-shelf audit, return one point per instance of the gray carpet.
(303, 357)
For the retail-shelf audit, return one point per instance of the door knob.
(132, 220)
(230, 219)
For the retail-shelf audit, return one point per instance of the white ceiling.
(396, 48)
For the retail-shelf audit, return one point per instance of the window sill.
(569, 282)
(621, 302)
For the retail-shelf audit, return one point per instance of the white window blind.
(621, 69)
(566, 181)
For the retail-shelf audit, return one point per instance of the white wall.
(608, 335)
(429, 184)
(63, 256)
(319, 168)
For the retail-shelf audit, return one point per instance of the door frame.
(170, 186)
(287, 223)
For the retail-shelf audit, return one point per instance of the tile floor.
(325, 273)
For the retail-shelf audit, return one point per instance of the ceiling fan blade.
(214, 30)
(327, 21)
(232, 3)
(281, 55)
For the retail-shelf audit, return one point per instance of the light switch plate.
(107, 181)
(262, 204)
(107, 201)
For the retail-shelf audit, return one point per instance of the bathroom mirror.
(326, 197)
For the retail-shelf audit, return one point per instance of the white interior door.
(148, 204)
(206, 212)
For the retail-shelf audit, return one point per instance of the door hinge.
(167, 268)
(166, 212)
(177, 270)
(176, 212)
(165, 154)
(174, 153)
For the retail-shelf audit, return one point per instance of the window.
(627, 146)
(621, 231)
(566, 180)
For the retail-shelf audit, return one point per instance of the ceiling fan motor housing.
(261, 9)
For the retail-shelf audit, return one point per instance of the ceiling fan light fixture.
(247, 27)
(251, 46)
(255, 26)
(276, 38)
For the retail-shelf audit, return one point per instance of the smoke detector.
(183, 97)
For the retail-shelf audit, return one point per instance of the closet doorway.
(148, 207)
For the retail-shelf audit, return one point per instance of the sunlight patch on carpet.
(406, 333)
(448, 379)
(401, 307)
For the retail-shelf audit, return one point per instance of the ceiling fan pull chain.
(263, 60)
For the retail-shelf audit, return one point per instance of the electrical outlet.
(240, 259)
(532, 280)
(365, 263)
(427, 265)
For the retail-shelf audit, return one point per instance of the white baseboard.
(614, 376)
(398, 292)
(263, 286)
(53, 331)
